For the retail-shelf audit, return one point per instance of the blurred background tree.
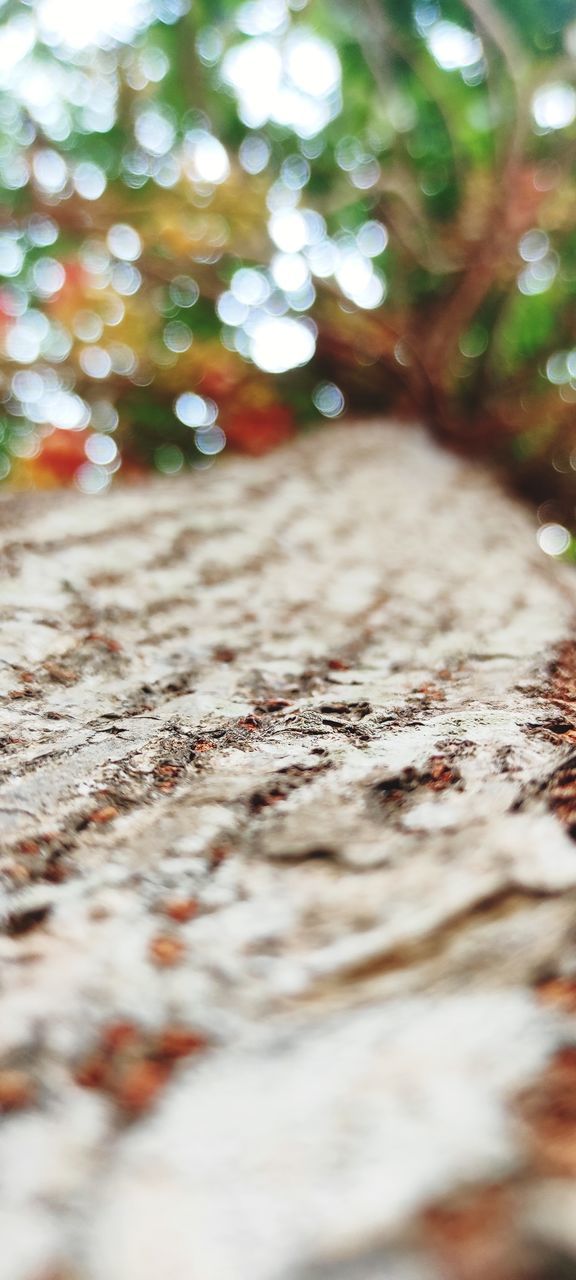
(225, 219)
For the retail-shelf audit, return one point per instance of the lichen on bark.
(288, 874)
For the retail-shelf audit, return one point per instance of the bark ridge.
(288, 875)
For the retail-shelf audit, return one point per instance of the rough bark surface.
(288, 876)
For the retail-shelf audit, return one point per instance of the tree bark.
(289, 880)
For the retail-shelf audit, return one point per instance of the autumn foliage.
(226, 223)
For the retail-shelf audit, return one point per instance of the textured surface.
(286, 861)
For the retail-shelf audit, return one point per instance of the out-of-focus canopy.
(224, 219)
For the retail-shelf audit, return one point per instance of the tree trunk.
(289, 886)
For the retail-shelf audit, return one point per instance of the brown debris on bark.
(293, 784)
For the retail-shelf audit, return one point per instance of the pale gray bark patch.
(313, 687)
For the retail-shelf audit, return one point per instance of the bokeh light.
(223, 224)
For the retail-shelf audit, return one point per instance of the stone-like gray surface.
(310, 693)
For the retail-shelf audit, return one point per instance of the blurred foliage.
(223, 220)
